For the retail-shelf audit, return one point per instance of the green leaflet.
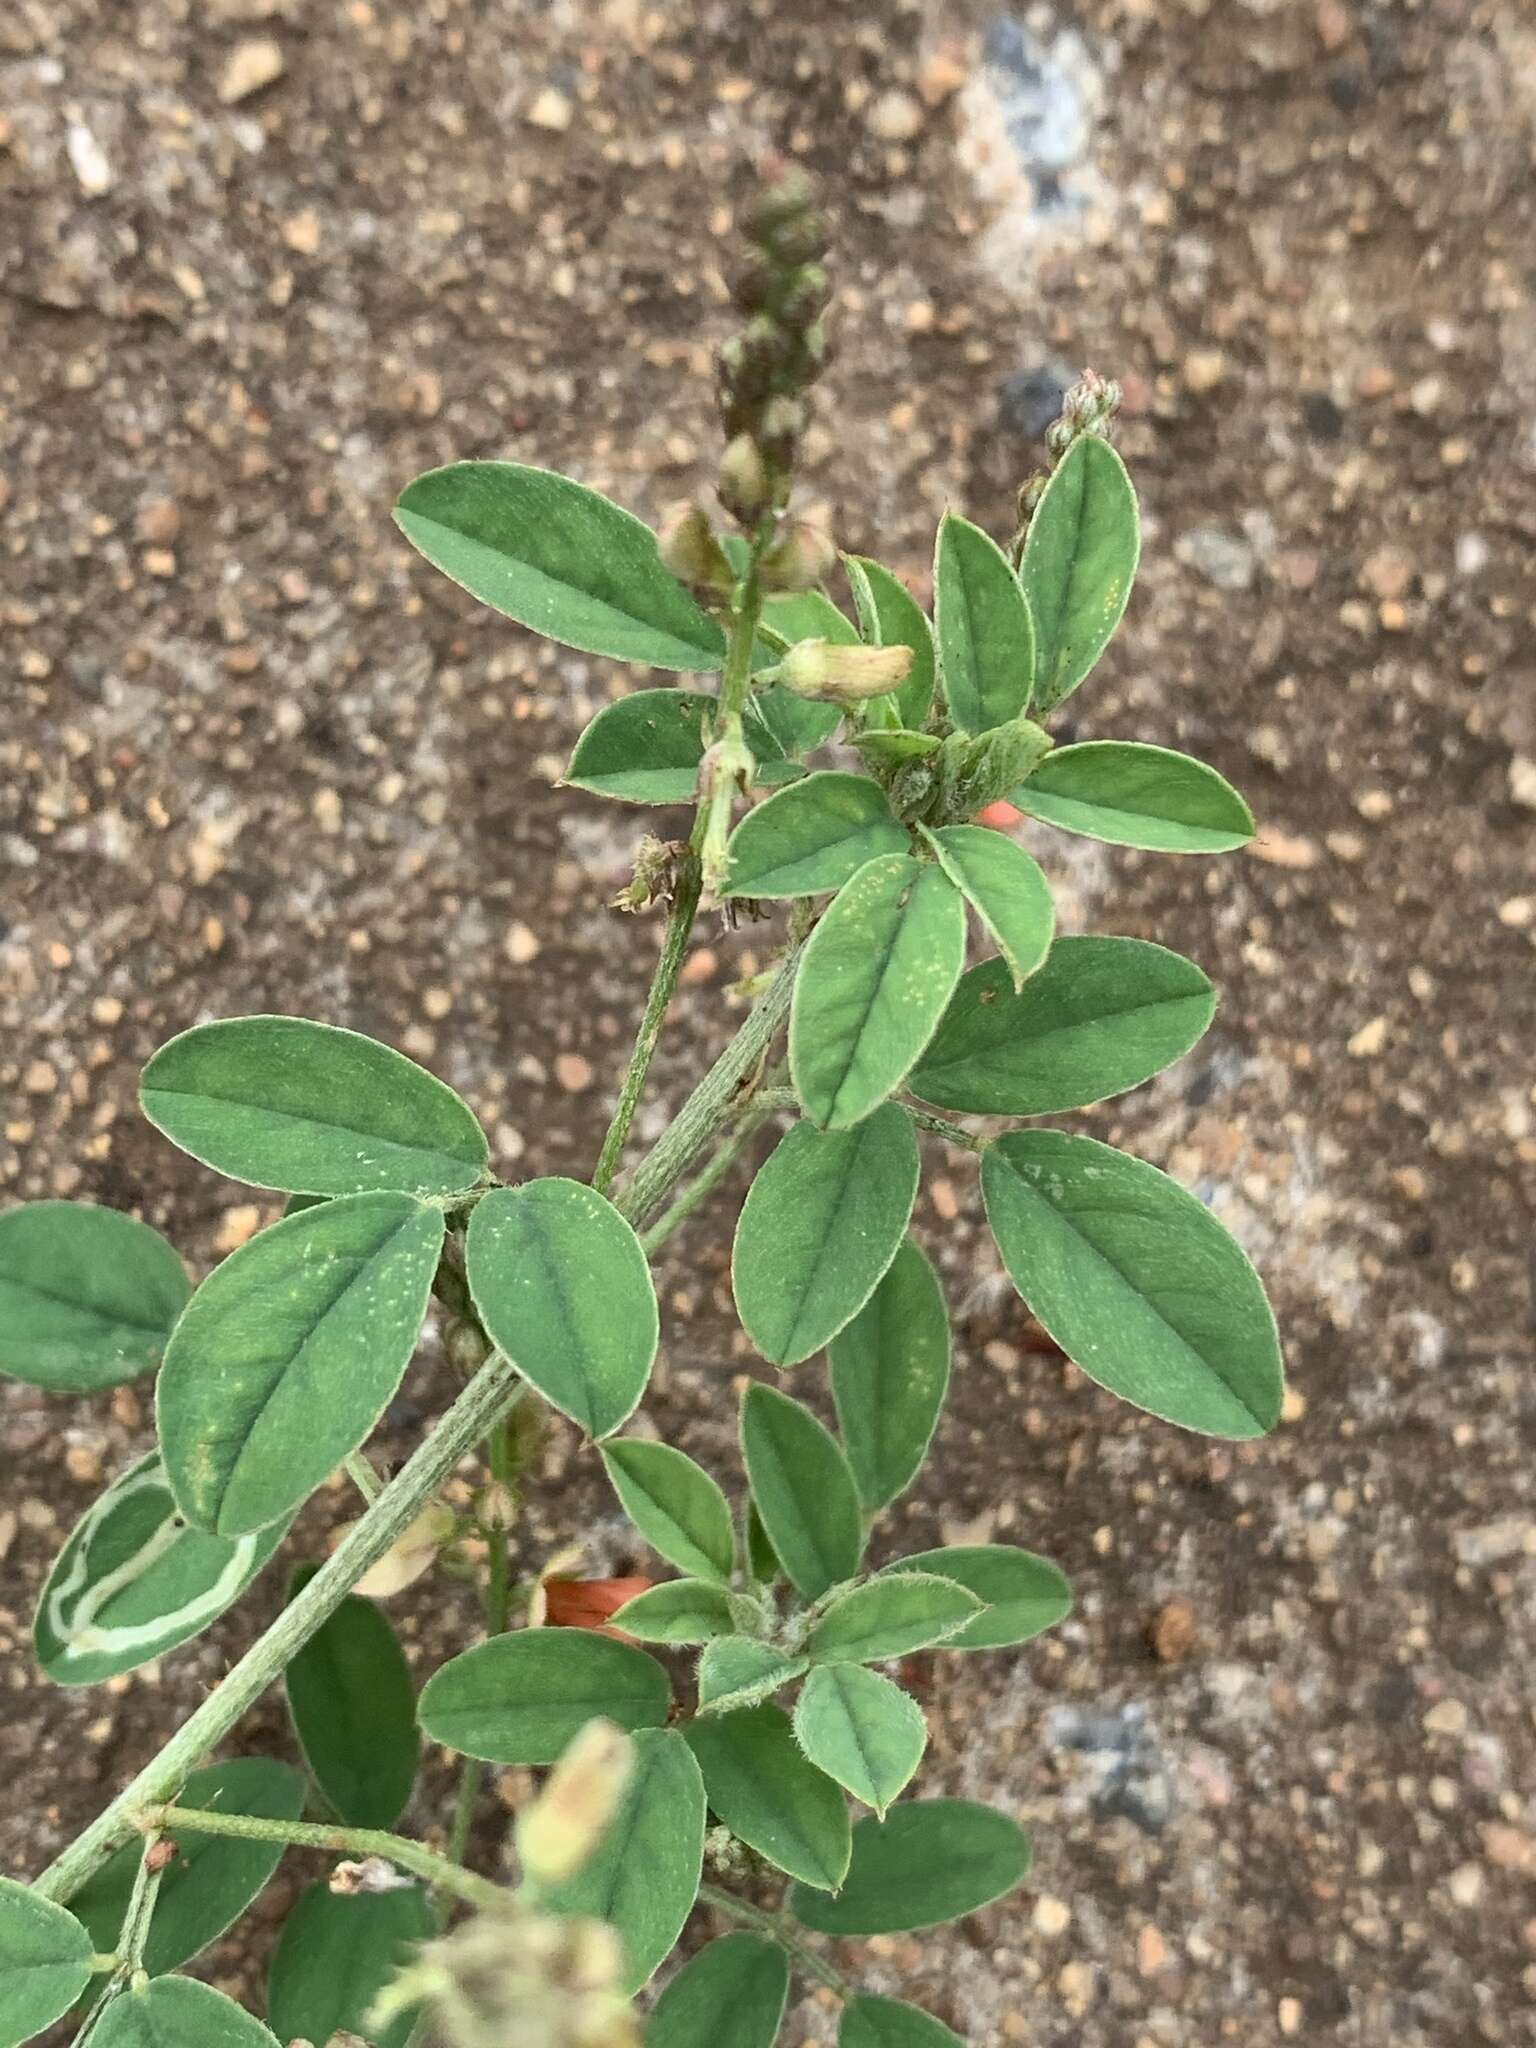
(1136, 1281)
(1135, 795)
(560, 558)
(564, 1290)
(646, 748)
(795, 615)
(821, 1223)
(520, 1698)
(985, 633)
(354, 1711)
(213, 1878)
(796, 726)
(675, 1505)
(890, 2023)
(134, 1580)
(1079, 563)
(770, 1796)
(889, 1617)
(730, 1995)
(892, 617)
(812, 836)
(803, 1489)
(762, 1558)
(176, 2012)
(928, 1861)
(1024, 1594)
(861, 1730)
(1101, 1016)
(678, 1611)
(45, 1962)
(87, 1296)
(872, 985)
(736, 1671)
(1006, 889)
(890, 1371)
(288, 1353)
(644, 1878)
(311, 1109)
(336, 1954)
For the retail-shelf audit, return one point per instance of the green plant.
(275, 1371)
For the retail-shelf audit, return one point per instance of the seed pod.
(843, 675)
(566, 1823)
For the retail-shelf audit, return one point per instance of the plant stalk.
(686, 890)
(758, 1109)
(415, 1857)
(770, 1924)
(484, 1401)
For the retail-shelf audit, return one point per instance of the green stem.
(415, 1857)
(364, 1478)
(484, 1401)
(686, 889)
(956, 1134)
(141, 1907)
(770, 1924)
(757, 1112)
(715, 1098)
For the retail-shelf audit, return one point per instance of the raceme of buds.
(688, 546)
(843, 675)
(1088, 408)
(520, 1976)
(800, 558)
(763, 371)
(565, 1824)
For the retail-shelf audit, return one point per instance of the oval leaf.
(803, 1489)
(87, 1296)
(1134, 795)
(1079, 562)
(861, 1730)
(134, 1580)
(644, 1878)
(1024, 1594)
(892, 617)
(336, 1954)
(1101, 1016)
(985, 633)
(646, 748)
(675, 1505)
(45, 1962)
(311, 1109)
(730, 1995)
(889, 2023)
(868, 1624)
(770, 1796)
(288, 1354)
(928, 1861)
(519, 1699)
(678, 1611)
(736, 1671)
(354, 1711)
(1005, 888)
(821, 1224)
(560, 558)
(890, 1371)
(872, 986)
(812, 837)
(213, 1877)
(564, 1290)
(1136, 1281)
(176, 2012)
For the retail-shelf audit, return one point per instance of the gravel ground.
(261, 261)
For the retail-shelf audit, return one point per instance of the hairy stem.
(364, 1478)
(773, 1926)
(415, 1857)
(751, 1120)
(716, 1096)
(687, 886)
(941, 1126)
(484, 1401)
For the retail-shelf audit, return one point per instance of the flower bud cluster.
(766, 369)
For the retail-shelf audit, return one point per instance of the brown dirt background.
(255, 756)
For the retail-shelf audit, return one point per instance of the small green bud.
(800, 558)
(783, 199)
(688, 546)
